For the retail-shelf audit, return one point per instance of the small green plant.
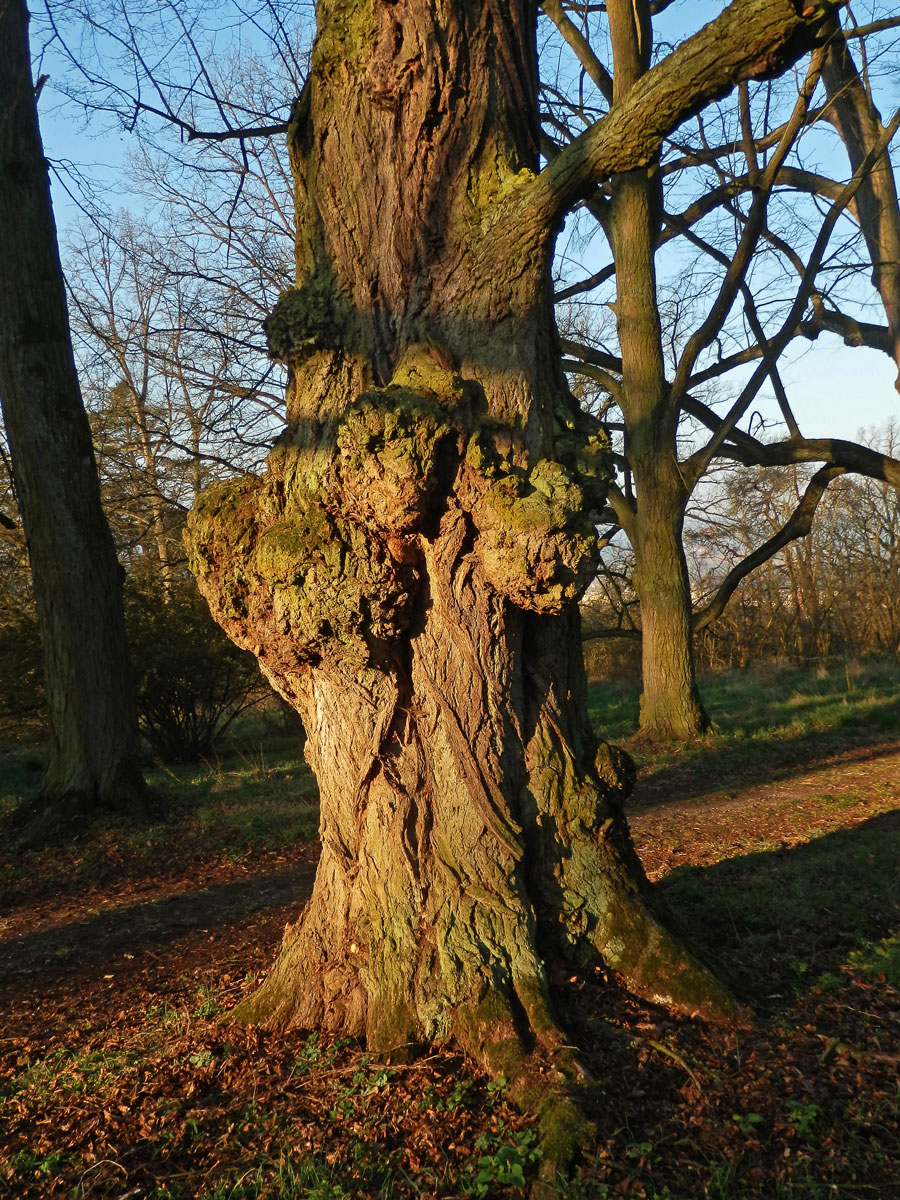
(27, 1163)
(747, 1122)
(640, 1152)
(803, 1116)
(208, 1006)
(507, 1157)
(202, 1058)
(452, 1102)
(879, 959)
(364, 1082)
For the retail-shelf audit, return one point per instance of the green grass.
(766, 722)
(257, 795)
(771, 701)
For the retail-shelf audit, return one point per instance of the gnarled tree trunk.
(407, 570)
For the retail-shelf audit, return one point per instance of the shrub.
(191, 681)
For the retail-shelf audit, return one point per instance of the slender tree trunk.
(93, 751)
(155, 501)
(671, 709)
(670, 702)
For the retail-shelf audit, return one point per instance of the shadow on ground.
(726, 766)
(82, 945)
(783, 921)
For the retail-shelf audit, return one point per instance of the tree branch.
(854, 333)
(700, 460)
(750, 39)
(581, 48)
(797, 526)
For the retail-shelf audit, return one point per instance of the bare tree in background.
(739, 193)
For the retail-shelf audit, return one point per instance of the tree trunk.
(93, 749)
(407, 570)
(857, 120)
(671, 709)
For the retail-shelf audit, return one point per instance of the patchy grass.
(767, 723)
(255, 799)
(120, 954)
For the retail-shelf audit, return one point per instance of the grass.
(765, 722)
(255, 797)
(837, 900)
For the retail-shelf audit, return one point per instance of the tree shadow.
(754, 762)
(84, 946)
(780, 922)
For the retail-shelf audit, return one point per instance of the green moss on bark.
(311, 317)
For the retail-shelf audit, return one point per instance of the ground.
(776, 841)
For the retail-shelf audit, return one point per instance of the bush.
(191, 681)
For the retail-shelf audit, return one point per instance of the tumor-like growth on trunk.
(406, 577)
(408, 568)
(325, 552)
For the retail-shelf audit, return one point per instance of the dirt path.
(126, 924)
(699, 831)
(117, 1079)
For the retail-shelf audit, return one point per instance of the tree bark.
(407, 569)
(93, 747)
(671, 709)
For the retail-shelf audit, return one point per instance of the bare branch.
(697, 464)
(581, 47)
(854, 333)
(798, 526)
(750, 39)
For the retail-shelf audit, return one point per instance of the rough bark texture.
(671, 709)
(406, 571)
(93, 749)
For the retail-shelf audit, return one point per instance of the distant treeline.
(834, 593)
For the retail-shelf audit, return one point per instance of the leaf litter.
(119, 1078)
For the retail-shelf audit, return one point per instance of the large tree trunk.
(670, 702)
(407, 570)
(93, 751)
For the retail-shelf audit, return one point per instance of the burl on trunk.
(408, 568)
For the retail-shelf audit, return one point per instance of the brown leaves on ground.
(116, 1079)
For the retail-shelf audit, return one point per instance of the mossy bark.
(407, 570)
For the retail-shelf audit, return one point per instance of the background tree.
(831, 592)
(750, 186)
(93, 747)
